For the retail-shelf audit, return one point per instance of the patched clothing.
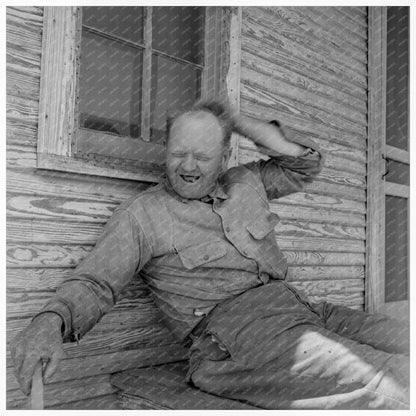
(216, 272)
(192, 254)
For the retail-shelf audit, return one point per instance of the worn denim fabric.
(271, 349)
(192, 254)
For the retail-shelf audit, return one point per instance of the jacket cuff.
(311, 146)
(59, 307)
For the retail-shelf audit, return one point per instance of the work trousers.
(273, 350)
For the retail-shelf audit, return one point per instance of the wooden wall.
(53, 220)
(307, 67)
(304, 66)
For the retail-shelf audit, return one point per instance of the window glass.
(397, 172)
(122, 22)
(175, 87)
(397, 77)
(178, 31)
(396, 240)
(110, 86)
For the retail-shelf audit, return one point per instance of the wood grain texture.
(54, 218)
(271, 30)
(88, 366)
(64, 392)
(375, 229)
(266, 109)
(107, 402)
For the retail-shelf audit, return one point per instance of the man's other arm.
(292, 162)
(84, 298)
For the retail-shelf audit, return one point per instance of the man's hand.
(266, 135)
(40, 341)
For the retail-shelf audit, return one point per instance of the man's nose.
(188, 163)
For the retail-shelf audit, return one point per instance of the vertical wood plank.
(375, 245)
(233, 75)
(147, 75)
(57, 83)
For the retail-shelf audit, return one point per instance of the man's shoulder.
(145, 199)
(241, 173)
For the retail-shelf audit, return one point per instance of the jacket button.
(245, 252)
(206, 257)
(227, 229)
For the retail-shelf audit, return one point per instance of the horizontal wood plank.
(107, 402)
(266, 108)
(256, 75)
(22, 109)
(56, 232)
(300, 273)
(290, 236)
(67, 185)
(329, 287)
(81, 367)
(59, 393)
(327, 147)
(43, 256)
(315, 214)
(350, 43)
(272, 32)
(21, 133)
(57, 208)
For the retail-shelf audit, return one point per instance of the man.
(203, 241)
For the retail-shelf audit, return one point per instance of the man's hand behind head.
(40, 341)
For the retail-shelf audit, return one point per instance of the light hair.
(220, 110)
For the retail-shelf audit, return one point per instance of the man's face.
(195, 154)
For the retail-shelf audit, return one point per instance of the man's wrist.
(51, 318)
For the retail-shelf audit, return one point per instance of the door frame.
(377, 152)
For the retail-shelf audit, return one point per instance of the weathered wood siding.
(307, 67)
(304, 66)
(53, 220)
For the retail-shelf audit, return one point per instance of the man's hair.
(220, 110)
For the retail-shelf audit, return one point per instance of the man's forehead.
(196, 118)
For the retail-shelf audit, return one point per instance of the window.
(111, 75)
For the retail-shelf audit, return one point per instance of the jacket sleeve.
(283, 174)
(120, 252)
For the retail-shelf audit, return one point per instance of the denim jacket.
(193, 254)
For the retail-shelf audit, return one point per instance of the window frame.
(377, 186)
(58, 128)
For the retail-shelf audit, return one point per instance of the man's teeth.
(188, 178)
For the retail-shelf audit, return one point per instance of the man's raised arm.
(83, 299)
(292, 162)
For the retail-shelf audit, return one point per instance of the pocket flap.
(195, 256)
(263, 225)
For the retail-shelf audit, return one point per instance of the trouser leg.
(311, 368)
(379, 331)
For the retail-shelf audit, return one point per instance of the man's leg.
(310, 368)
(377, 330)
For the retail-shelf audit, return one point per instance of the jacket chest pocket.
(200, 254)
(262, 226)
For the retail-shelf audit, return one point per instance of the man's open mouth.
(189, 178)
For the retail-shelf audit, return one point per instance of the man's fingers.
(53, 364)
(18, 358)
(26, 372)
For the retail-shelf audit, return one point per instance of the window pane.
(398, 172)
(397, 77)
(396, 262)
(178, 31)
(123, 22)
(175, 87)
(110, 86)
